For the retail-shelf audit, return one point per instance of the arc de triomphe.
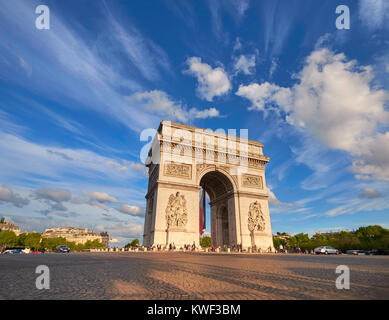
(184, 159)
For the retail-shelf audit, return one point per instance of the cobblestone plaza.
(155, 275)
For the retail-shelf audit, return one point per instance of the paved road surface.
(154, 275)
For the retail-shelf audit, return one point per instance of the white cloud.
(370, 193)
(334, 102)
(116, 165)
(57, 195)
(53, 198)
(158, 102)
(139, 167)
(265, 95)
(211, 82)
(203, 114)
(96, 199)
(100, 196)
(7, 195)
(387, 68)
(374, 13)
(90, 202)
(130, 210)
(245, 64)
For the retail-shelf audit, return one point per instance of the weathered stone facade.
(77, 235)
(9, 226)
(184, 159)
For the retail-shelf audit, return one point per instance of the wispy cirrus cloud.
(143, 53)
(85, 74)
(236, 9)
(374, 14)
(59, 162)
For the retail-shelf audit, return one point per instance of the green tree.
(2, 220)
(93, 244)
(8, 238)
(206, 242)
(133, 243)
(276, 242)
(52, 243)
(33, 240)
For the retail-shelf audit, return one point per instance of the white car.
(326, 250)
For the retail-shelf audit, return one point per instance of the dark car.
(62, 249)
(357, 252)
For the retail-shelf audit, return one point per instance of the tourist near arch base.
(185, 160)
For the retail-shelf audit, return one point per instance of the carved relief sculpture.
(201, 167)
(178, 170)
(256, 222)
(176, 212)
(252, 181)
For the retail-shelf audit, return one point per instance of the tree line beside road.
(365, 238)
(35, 241)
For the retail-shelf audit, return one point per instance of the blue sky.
(75, 98)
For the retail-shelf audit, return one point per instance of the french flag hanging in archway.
(202, 212)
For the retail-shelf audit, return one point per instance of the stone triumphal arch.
(184, 159)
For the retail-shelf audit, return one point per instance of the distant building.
(77, 235)
(283, 236)
(9, 226)
(325, 234)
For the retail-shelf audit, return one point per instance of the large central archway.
(222, 207)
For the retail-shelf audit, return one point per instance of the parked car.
(62, 249)
(357, 252)
(14, 251)
(26, 250)
(326, 250)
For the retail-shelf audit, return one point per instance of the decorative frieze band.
(178, 170)
(252, 181)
